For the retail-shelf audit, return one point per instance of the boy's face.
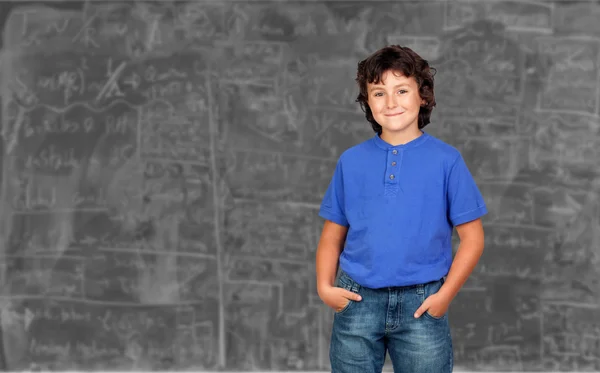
(395, 103)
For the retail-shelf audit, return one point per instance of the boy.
(389, 213)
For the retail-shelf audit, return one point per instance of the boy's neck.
(401, 138)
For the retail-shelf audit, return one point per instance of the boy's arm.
(329, 249)
(465, 260)
(469, 251)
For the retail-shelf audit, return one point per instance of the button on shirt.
(400, 204)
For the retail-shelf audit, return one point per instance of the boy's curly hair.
(405, 61)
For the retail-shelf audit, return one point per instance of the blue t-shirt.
(400, 204)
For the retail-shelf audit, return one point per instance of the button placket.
(392, 175)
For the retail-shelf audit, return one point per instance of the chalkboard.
(163, 165)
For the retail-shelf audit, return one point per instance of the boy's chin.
(399, 129)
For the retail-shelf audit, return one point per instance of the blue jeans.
(383, 322)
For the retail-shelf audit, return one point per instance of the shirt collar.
(411, 144)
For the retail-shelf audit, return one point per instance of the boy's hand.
(337, 298)
(436, 304)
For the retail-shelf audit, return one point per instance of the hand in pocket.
(338, 298)
(435, 304)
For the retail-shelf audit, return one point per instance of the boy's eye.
(402, 91)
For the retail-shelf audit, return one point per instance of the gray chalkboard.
(163, 163)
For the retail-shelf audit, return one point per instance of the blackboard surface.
(163, 163)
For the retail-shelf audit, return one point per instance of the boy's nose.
(391, 102)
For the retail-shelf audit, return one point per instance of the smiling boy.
(389, 212)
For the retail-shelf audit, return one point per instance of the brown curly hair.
(405, 61)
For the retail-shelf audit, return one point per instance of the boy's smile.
(395, 103)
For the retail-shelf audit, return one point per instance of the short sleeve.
(465, 202)
(332, 205)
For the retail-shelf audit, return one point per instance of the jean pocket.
(428, 289)
(349, 288)
(427, 314)
(346, 283)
